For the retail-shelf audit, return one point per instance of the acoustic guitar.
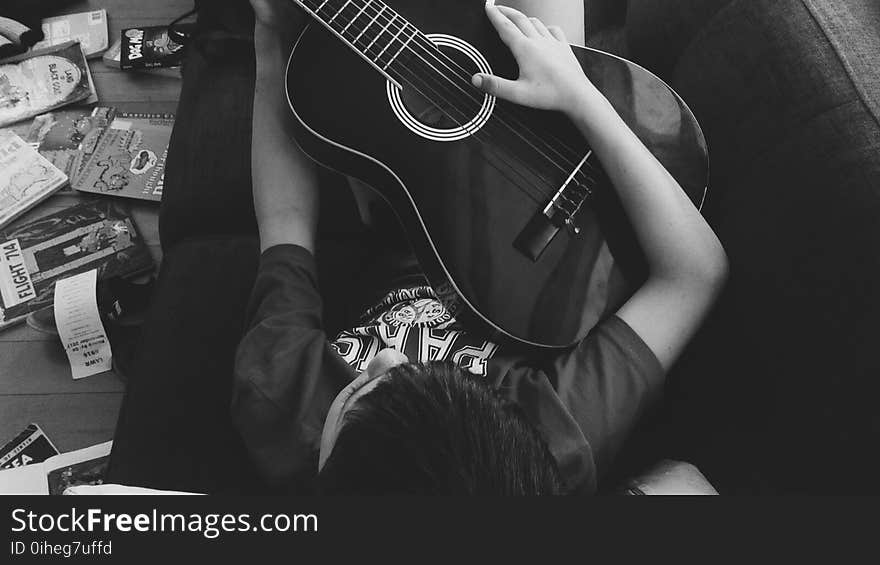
(510, 215)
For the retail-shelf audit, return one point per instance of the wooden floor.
(35, 380)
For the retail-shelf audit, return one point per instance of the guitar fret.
(343, 28)
(381, 31)
(356, 16)
(347, 2)
(379, 13)
(391, 60)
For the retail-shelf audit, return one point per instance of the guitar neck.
(370, 28)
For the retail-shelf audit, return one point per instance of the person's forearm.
(675, 238)
(284, 180)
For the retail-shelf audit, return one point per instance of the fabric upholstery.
(787, 92)
(657, 31)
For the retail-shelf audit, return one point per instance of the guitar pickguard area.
(435, 122)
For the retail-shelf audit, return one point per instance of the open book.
(77, 472)
(57, 473)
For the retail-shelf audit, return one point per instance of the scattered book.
(66, 137)
(26, 178)
(149, 47)
(89, 28)
(94, 235)
(56, 474)
(113, 57)
(31, 445)
(130, 158)
(34, 83)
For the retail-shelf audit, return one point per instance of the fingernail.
(477, 80)
(490, 3)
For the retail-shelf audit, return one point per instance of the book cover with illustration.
(149, 47)
(66, 137)
(98, 234)
(89, 28)
(113, 57)
(26, 178)
(36, 82)
(130, 158)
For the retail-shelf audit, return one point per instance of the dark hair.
(436, 429)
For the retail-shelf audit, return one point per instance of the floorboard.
(35, 380)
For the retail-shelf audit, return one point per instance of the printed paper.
(79, 325)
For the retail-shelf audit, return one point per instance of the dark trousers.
(174, 429)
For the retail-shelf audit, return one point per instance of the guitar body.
(461, 208)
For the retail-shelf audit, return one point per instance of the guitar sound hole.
(444, 101)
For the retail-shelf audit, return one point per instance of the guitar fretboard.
(370, 27)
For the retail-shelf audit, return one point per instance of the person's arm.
(687, 265)
(284, 179)
(286, 373)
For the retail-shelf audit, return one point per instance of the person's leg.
(174, 430)
(208, 177)
(567, 14)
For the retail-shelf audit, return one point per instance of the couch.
(775, 395)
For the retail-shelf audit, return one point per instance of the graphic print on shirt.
(416, 323)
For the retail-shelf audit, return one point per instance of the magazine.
(26, 178)
(130, 159)
(43, 80)
(66, 137)
(33, 256)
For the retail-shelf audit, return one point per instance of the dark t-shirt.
(584, 400)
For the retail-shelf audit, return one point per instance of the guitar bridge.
(559, 213)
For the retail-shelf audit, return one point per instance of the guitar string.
(537, 194)
(405, 46)
(557, 195)
(542, 196)
(438, 55)
(433, 52)
(530, 189)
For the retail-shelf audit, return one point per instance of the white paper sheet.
(79, 325)
(30, 479)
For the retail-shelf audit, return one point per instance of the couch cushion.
(657, 31)
(787, 93)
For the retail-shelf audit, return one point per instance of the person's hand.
(550, 77)
(276, 22)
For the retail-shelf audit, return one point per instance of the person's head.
(430, 429)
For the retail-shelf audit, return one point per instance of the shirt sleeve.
(286, 373)
(606, 382)
(586, 401)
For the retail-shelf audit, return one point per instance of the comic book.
(98, 234)
(26, 178)
(43, 80)
(149, 47)
(113, 57)
(130, 158)
(66, 137)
